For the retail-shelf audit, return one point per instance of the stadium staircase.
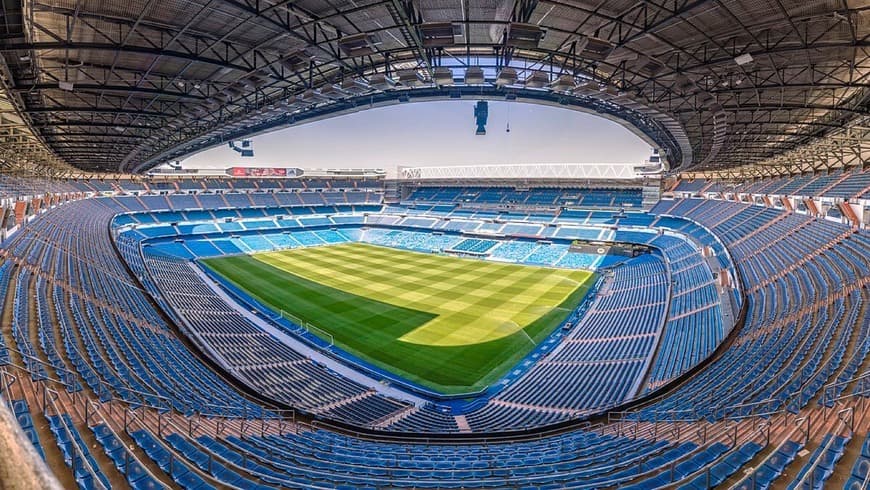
(462, 423)
(342, 402)
(395, 417)
(141, 202)
(721, 215)
(538, 408)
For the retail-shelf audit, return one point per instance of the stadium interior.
(697, 320)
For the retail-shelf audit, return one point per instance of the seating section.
(854, 184)
(325, 459)
(804, 281)
(772, 468)
(600, 363)
(860, 475)
(256, 357)
(113, 337)
(83, 320)
(696, 185)
(21, 411)
(76, 454)
(18, 187)
(474, 246)
(532, 197)
(820, 465)
(694, 328)
(500, 413)
(717, 473)
(696, 307)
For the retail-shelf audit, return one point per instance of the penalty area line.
(528, 337)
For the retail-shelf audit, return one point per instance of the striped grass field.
(449, 324)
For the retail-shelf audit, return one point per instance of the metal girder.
(405, 14)
(66, 123)
(98, 88)
(132, 49)
(98, 110)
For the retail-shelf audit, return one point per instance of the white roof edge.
(610, 171)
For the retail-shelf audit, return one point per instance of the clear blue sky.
(439, 133)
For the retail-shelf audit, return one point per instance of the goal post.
(323, 334)
(308, 327)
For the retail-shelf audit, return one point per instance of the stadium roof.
(112, 85)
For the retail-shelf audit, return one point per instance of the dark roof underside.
(109, 85)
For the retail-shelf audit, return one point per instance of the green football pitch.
(449, 324)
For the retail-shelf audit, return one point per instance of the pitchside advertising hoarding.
(264, 172)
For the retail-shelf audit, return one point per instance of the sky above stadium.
(438, 133)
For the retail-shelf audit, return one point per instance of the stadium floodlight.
(564, 83)
(354, 86)
(410, 78)
(684, 83)
(743, 59)
(442, 76)
(333, 92)
(474, 75)
(537, 79)
(361, 44)
(381, 81)
(627, 99)
(587, 89)
(273, 109)
(254, 82)
(312, 96)
(507, 76)
(608, 92)
(296, 61)
(524, 36)
(647, 66)
(593, 48)
(439, 34)
(705, 98)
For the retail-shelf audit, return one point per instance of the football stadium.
(698, 318)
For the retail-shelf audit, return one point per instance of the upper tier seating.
(535, 196)
(853, 184)
(801, 284)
